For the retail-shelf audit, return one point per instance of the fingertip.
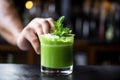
(51, 20)
(38, 53)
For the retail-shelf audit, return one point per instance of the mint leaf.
(61, 19)
(59, 29)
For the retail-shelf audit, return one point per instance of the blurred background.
(95, 23)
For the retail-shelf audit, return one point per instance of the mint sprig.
(59, 29)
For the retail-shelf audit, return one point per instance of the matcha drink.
(57, 51)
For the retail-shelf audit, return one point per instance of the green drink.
(57, 53)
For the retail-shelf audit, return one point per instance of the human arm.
(29, 36)
(12, 30)
(10, 23)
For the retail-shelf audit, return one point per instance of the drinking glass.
(56, 54)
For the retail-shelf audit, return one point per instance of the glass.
(56, 54)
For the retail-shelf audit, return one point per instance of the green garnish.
(59, 29)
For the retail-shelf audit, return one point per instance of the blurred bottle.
(86, 19)
(49, 10)
(94, 20)
(77, 20)
(65, 10)
(103, 13)
(78, 27)
(110, 25)
(117, 23)
(76, 11)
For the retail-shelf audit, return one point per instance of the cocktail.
(57, 52)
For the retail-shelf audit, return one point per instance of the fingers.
(33, 39)
(44, 24)
(30, 34)
(50, 20)
(28, 39)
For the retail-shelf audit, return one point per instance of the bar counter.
(32, 72)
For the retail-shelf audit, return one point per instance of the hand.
(29, 36)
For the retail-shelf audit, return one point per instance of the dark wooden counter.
(32, 72)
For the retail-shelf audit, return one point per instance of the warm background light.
(29, 4)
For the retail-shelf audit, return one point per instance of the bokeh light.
(29, 4)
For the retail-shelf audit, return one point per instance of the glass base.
(57, 71)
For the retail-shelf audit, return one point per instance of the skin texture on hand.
(29, 36)
(10, 23)
(12, 30)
